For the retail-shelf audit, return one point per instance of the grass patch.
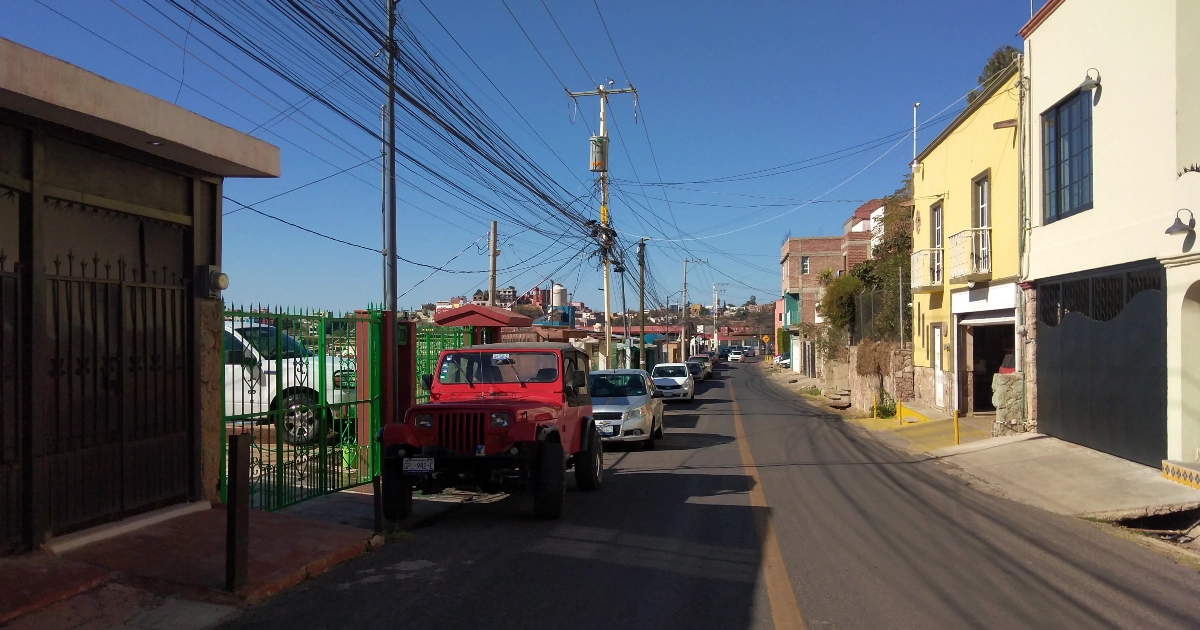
(811, 391)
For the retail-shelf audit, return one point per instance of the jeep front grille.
(460, 431)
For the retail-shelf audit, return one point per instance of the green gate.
(305, 385)
(431, 340)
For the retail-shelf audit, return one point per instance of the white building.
(1112, 299)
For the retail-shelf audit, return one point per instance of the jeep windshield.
(268, 341)
(670, 371)
(616, 385)
(473, 367)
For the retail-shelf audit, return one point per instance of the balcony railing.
(927, 270)
(971, 255)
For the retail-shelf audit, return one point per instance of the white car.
(674, 380)
(265, 366)
(736, 355)
(748, 351)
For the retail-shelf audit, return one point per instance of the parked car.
(674, 380)
(696, 369)
(500, 418)
(784, 360)
(705, 361)
(748, 351)
(268, 370)
(627, 406)
(723, 353)
(735, 355)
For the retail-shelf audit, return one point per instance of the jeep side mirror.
(578, 379)
(426, 382)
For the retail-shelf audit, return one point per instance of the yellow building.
(965, 252)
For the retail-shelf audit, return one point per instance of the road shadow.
(672, 442)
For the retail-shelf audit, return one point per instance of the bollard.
(237, 512)
(377, 489)
(900, 412)
(956, 427)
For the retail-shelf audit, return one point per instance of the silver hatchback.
(626, 406)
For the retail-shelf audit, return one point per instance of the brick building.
(801, 262)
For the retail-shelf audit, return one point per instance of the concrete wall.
(210, 343)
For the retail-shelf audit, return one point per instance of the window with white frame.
(935, 243)
(1067, 157)
(804, 265)
(981, 217)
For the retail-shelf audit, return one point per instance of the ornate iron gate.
(117, 412)
(305, 386)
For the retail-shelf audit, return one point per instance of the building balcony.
(927, 270)
(971, 255)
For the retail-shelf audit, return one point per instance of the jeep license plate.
(605, 429)
(418, 465)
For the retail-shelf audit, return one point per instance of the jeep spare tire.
(550, 483)
(589, 462)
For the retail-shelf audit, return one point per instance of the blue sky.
(724, 89)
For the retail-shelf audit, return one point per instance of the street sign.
(766, 339)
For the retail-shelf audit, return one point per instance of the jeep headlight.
(501, 419)
(423, 421)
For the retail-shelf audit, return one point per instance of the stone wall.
(897, 379)
(924, 382)
(1029, 357)
(212, 371)
(1008, 396)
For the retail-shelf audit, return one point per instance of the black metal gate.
(1102, 361)
(116, 435)
(11, 341)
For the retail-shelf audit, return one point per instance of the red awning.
(475, 315)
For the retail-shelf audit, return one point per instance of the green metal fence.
(431, 340)
(305, 385)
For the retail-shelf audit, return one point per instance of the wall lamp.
(1089, 82)
(1179, 227)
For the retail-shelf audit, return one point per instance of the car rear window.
(607, 385)
(670, 371)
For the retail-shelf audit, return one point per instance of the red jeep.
(500, 418)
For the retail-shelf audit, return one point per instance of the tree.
(1001, 59)
(428, 307)
(753, 301)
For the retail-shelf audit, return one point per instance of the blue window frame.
(1067, 157)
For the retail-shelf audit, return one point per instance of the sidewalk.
(922, 437)
(1069, 479)
(171, 573)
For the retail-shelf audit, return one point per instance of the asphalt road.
(756, 511)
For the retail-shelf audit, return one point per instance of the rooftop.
(44, 87)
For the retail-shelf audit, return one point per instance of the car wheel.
(301, 422)
(648, 443)
(550, 484)
(397, 490)
(658, 433)
(589, 464)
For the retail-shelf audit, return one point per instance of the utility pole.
(491, 301)
(683, 304)
(642, 303)
(390, 358)
(716, 306)
(599, 164)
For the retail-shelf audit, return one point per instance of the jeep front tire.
(589, 462)
(550, 483)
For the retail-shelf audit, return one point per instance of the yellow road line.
(785, 612)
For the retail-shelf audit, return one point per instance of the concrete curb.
(1154, 510)
(36, 604)
(70, 542)
(982, 445)
(310, 570)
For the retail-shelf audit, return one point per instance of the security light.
(1090, 83)
(1179, 227)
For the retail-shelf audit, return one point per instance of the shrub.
(886, 405)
